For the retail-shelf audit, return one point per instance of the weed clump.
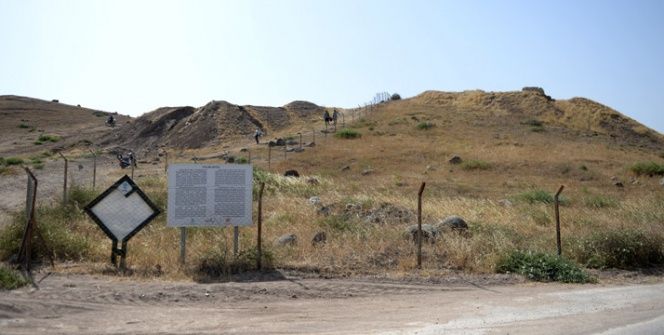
(471, 165)
(49, 138)
(426, 125)
(10, 279)
(348, 134)
(219, 263)
(622, 249)
(647, 168)
(538, 195)
(542, 267)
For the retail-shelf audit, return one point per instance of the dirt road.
(78, 304)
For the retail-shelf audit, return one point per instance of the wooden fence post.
(557, 201)
(419, 226)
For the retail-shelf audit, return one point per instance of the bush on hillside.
(647, 168)
(395, 96)
(10, 279)
(542, 267)
(622, 249)
(348, 133)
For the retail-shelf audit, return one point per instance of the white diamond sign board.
(122, 210)
(209, 195)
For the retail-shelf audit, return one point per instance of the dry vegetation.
(503, 191)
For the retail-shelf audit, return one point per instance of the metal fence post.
(259, 250)
(557, 201)
(64, 188)
(94, 169)
(419, 225)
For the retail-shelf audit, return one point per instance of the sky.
(135, 56)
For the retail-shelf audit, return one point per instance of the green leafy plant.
(48, 138)
(13, 161)
(542, 267)
(538, 195)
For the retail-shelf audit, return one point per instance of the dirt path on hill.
(81, 304)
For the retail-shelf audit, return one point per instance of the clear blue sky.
(135, 56)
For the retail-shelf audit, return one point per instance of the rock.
(325, 210)
(298, 149)
(319, 238)
(314, 200)
(345, 168)
(291, 149)
(312, 144)
(287, 239)
(291, 173)
(618, 184)
(367, 172)
(661, 182)
(455, 160)
(505, 203)
(453, 222)
(292, 142)
(244, 150)
(429, 232)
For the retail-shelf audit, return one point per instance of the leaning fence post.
(557, 201)
(25, 251)
(269, 155)
(64, 188)
(419, 226)
(259, 250)
(94, 169)
(166, 161)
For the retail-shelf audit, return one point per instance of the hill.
(26, 120)
(210, 125)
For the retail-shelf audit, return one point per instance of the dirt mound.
(533, 104)
(191, 128)
(25, 120)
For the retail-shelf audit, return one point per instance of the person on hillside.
(327, 118)
(110, 121)
(257, 134)
(335, 116)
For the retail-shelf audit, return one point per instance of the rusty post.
(269, 155)
(94, 169)
(25, 251)
(64, 188)
(166, 161)
(419, 225)
(343, 120)
(285, 147)
(557, 201)
(259, 248)
(300, 139)
(123, 256)
(114, 250)
(249, 154)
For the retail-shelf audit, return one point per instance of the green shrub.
(80, 196)
(58, 226)
(23, 126)
(647, 168)
(348, 133)
(623, 249)
(542, 267)
(241, 160)
(48, 138)
(13, 161)
(426, 125)
(475, 165)
(10, 279)
(538, 195)
(338, 223)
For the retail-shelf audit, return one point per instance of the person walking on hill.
(258, 133)
(335, 116)
(327, 118)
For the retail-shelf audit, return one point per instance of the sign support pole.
(123, 256)
(183, 245)
(236, 240)
(114, 249)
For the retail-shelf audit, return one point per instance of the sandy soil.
(288, 304)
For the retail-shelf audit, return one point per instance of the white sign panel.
(209, 195)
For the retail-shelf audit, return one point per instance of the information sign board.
(209, 195)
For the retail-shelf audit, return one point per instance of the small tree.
(395, 96)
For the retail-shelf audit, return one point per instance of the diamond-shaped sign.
(122, 210)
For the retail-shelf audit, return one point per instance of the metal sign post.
(122, 211)
(94, 169)
(419, 225)
(558, 243)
